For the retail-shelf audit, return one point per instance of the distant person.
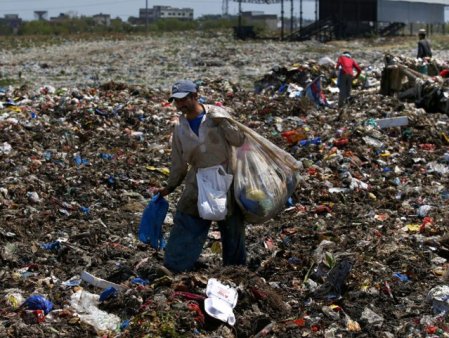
(346, 65)
(424, 48)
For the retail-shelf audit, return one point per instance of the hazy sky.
(126, 8)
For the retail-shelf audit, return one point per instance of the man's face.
(186, 104)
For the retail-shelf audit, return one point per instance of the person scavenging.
(424, 47)
(346, 65)
(200, 140)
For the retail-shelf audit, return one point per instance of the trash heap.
(361, 248)
(418, 82)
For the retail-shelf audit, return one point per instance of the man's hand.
(162, 191)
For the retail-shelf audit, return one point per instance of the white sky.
(126, 8)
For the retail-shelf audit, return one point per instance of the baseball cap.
(181, 89)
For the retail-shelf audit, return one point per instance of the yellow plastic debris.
(164, 171)
(412, 227)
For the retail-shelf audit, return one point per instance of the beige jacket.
(213, 146)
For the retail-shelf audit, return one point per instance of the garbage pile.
(412, 81)
(361, 248)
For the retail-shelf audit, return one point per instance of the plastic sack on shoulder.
(213, 185)
(265, 176)
(150, 228)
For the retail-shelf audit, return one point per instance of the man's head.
(347, 54)
(182, 89)
(422, 33)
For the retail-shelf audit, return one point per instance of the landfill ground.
(360, 251)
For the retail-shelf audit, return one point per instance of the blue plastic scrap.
(79, 160)
(283, 88)
(124, 325)
(47, 155)
(105, 156)
(108, 293)
(38, 302)
(111, 180)
(140, 281)
(307, 142)
(401, 277)
(101, 113)
(56, 245)
(85, 210)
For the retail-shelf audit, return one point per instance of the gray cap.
(181, 89)
(422, 31)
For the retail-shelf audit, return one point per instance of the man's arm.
(357, 68)
(338, 63)
(178, 169)
(232, 133)
(419, 52)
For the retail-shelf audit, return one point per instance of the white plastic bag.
(213, 185)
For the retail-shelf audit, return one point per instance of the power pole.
(282, 20)
(300, 14)
(225, 8)
(146, 16)
(291, 16)
(240, 14)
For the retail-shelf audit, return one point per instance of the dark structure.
(350, 17)
(342, 19)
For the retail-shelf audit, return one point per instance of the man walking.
(200, 141)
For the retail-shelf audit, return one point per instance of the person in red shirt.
(346, 65)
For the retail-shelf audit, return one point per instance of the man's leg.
(343, 86)
(349, 86)
(186, 242)
(341, 95)
(233, 238)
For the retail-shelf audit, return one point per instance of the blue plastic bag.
(38, 302)
(150, 228)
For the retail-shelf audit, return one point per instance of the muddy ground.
(86, 136)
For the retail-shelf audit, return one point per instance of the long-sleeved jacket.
(424, 49)
(213, 146)
(348, 65)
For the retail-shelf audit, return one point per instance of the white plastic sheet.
(85, 304)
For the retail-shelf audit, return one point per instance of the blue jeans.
(189, 233)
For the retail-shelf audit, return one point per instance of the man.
(424, 49)
(346, 65)
(200, 141)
